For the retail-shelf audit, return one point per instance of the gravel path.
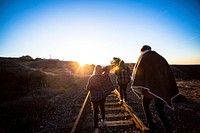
(184, 119)
(57, 121)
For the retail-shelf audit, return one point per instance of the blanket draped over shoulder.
(154, 77)
(99, 86)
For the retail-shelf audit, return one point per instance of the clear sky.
(95, 31)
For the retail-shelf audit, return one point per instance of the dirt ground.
(186, 116)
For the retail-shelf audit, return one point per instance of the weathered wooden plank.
(112, 103)
(111, 123)
(113, 108)
(114, 115)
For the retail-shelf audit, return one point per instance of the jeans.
(96, 106)
(123, 92)
(159, 104)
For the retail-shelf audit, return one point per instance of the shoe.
(120, 101)
(103, 122)
(96, 130)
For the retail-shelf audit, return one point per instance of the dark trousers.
(123, 92)
(96, 106)
(159, 104)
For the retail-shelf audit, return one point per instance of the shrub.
(26, 57)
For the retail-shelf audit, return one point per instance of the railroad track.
(120, 116)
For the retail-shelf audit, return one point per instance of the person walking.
(154, 79)
(99, 86)
(123, 74)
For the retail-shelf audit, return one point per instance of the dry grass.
(25, 93)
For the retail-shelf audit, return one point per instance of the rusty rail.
(77, 122)
(139, 124)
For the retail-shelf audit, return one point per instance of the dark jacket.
(100, 86)
(154, 75)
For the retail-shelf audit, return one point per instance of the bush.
(26, 57)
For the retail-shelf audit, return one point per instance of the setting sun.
(82, 63)
(91, 55)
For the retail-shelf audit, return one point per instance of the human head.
(121, 63)
(106, 70)
(144, 48)
(97, 70)
(115, 61)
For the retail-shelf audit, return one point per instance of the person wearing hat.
(153, 79)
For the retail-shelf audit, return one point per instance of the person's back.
(156, 74)
(99, 86)
(153, 78)
(123, 73)
(123, 78)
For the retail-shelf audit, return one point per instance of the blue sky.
(95, 31)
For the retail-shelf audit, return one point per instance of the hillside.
(186, 72)
(19, 77)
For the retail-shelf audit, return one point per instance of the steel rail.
(77, 122)
(134, 117)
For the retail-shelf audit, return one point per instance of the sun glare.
(81, 63)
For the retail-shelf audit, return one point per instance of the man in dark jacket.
(153, 78)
